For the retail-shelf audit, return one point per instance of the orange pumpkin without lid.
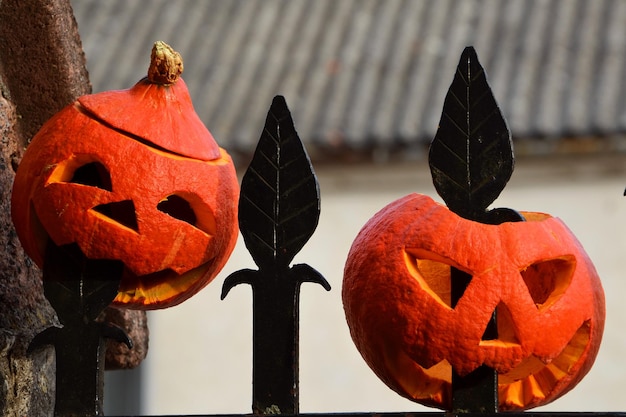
(133, 175)
(534, 274)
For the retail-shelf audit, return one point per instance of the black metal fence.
(278, 212)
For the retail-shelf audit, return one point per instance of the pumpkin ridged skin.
(152, 145)
(177, 128)
(394, 295)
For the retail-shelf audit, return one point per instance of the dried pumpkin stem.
(166, 65)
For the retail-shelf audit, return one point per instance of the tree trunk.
(42, 69)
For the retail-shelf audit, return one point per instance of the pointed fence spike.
(471, 156)
(279, 209)
(471, 160)
(279, 204)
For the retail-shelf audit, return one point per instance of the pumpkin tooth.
(547, 378)
(531, 390)
(519, 393)
(574, 349)
(512, 395)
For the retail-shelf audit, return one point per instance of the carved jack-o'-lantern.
(133, 176)
(535, 275)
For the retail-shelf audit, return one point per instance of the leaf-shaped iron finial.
(471, 156)
(79, 289)
(279, 209)
(279, 206)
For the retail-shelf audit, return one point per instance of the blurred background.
(365, 81)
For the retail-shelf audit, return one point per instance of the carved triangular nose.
(491, 330)
(122, 212)
(501, 326)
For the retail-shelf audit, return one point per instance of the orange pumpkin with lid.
(133, 175)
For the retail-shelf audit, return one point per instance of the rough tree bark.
(42, 69)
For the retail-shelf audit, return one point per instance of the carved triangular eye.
(548, 279)
(93, 174)
(178, 208)
(432, 272)
(82, 169)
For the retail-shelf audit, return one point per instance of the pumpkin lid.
(158, 109)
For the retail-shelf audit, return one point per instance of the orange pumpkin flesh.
(534, 274)
(134, 176)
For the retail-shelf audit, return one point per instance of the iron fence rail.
(278, 212)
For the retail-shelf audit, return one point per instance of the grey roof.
(371, 74)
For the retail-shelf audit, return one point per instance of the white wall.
(200, 351)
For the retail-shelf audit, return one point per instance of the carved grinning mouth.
(151, 289)
(532, 379)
